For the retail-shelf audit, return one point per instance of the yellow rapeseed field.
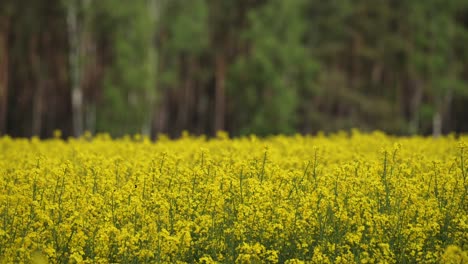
(358, 198)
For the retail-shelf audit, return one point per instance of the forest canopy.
(246, 66)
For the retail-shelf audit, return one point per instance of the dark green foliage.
(128, 81)
(249, 66)
(267, 79)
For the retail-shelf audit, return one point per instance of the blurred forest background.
(244, 66)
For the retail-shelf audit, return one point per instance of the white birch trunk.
(74, 64)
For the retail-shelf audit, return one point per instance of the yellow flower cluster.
(357, 198)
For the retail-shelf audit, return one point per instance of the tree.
(272, 71)
(246, 66)
(182, 40)
(126, 31)
(5, 28)
(75, 46)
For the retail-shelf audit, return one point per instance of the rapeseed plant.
(363, 198)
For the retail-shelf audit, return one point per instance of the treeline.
(244, 66)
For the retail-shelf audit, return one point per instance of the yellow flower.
(298, 199)
(453, 254)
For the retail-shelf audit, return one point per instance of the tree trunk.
(37, 110)
(220, 76)
(182, 90)
(4, 62)
(200, 104)
(415, 103)
(37, 81)
(154, 7)
(160, 115)
(74, 71)
(437, 124)
(447, 110)
(90, 117)
(355, 70)
(443, 107)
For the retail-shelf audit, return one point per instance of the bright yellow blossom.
(359, 198)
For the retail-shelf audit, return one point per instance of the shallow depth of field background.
(248, 66)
